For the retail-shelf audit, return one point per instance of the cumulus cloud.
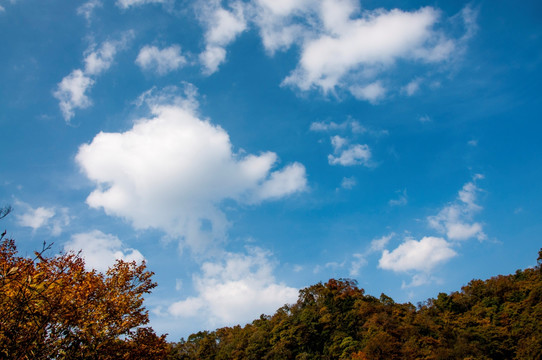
(414, 255)
(161, 61)
(234, 290)
(348, 155)
(50, 218)
(100, 250)
(222, 27)
(456, 219)
(341, 45)
(173, 170)
(366, 45)
(72, 90)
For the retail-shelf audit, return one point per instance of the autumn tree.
(53, 308)
(499, 319)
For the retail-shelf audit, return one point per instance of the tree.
(4, 211)
(52, 308)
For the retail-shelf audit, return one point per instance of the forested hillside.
(499, 318)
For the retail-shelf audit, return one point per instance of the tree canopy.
(499, 318)
(51, 307)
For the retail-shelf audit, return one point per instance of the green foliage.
(500, 318)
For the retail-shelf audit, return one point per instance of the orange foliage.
(51, 307)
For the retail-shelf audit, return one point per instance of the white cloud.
(161, 61)
(366, 45)
(355, 154)
(276, 20)
(360, 259)
(36, 218)
(401, 200)
(412, 87)
(71, 92)
(338, 142)
(356, 265)
(50, 218)
(173, 170)
(342, 46)
(380, 243)
(100, 250)
(222, 27)
(98, 61)
(455, 219)
(418, 280)
(424, 119)
(2, 9)
(88, 8)
(353, 125)
(280, 183)
(372, 92)
(212, 57)
(124, 4)
(422, 255)
(235, 290)
(327, 126)
(348, 182)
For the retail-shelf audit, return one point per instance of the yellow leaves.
(54, 308)
(12, 270)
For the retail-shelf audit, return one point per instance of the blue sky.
(247, 149)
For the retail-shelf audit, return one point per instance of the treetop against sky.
(247, 149)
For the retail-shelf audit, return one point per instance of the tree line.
(499, 318)
(51, 307)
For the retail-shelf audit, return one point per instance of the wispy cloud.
(455, 219)
(348, 182)
(72, 90)
(52, 219)
(360, 259)
(87, 9)
(412, 87)
(401, 200)
(125, 4)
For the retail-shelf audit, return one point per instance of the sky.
(248, 149)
